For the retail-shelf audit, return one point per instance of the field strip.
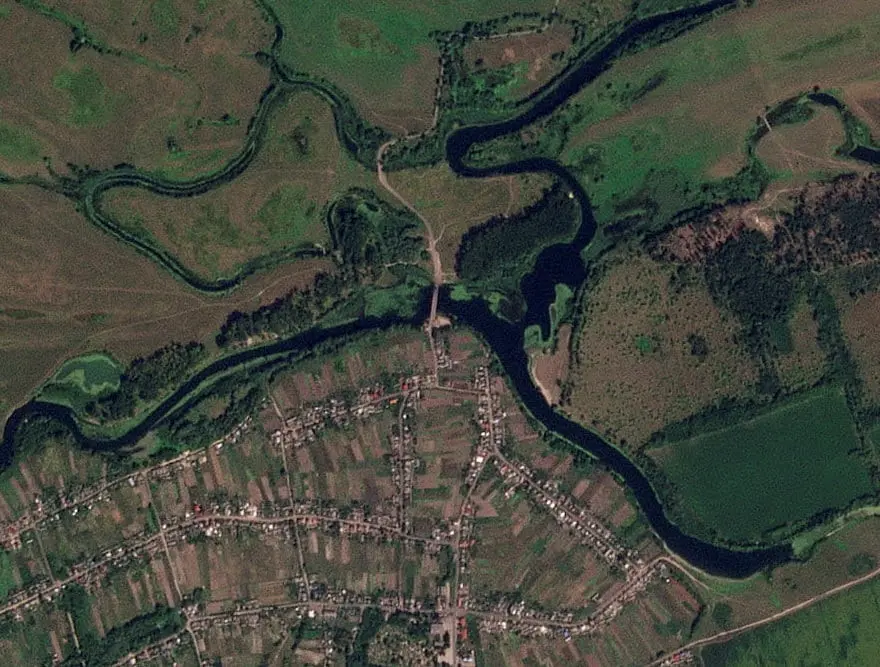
(729, 634)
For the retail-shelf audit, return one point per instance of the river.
(560, 263)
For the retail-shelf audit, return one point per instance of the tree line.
(146, 378)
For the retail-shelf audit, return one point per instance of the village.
(219, 520)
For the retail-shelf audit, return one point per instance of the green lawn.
(17, 145)
(781, 467)
(80, 379)
(838, 631)
(91, 104)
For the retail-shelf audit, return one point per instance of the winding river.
(560, 263)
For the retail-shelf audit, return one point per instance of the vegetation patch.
(91, 104)
(772, 471)
(17, 145)
(83, 378)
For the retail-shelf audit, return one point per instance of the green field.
(80, 379)
(781, 467)
(290, 217)
(838, 631)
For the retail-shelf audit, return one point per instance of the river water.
(560, 263)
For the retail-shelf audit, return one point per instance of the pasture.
(163, 91)
(837, 631)
(661, 122)
(516, 66)
(382, 55)
(67, 288)
(278, 204)
(806, 150)
(771, 471)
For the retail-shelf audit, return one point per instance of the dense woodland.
(504, 245)
(368, 234)
(146, 378)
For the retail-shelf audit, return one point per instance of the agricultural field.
(279, 204)
(69, 289)
(841, 630)
(445, 435)
(652, 340)
(521, 549)
(772, 471)
(179, 74)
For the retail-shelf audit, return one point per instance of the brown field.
(453, 204)
(332, 469)
(806, 149)
(860, 319)
(804, 365)
(278, 203)
(181, 91)
(550, 369)
(531, 51)
(444, 441)
(634, 370)
(240, 564)
(524, 550)
(272, 638)
(68, 288)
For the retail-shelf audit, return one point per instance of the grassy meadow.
(776, 469)
(661, 123)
